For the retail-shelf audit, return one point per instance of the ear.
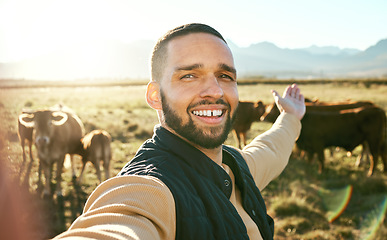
(153, 95)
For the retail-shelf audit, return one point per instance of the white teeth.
(208, 113)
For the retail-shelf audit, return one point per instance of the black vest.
(201, 188)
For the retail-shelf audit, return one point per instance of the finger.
(296, 92)
(291, 91)
(287, 91)
(301, 98)
(275, 94)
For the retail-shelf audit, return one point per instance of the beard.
(206, 137)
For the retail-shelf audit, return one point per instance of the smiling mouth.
(208, 113)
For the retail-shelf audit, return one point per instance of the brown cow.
(272, 112)
(347, 129)
(96, 148)
(246, 114)
(56, 133)
(25, 136)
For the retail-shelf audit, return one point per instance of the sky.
(32, 28)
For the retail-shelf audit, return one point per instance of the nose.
(212, 88)
(42, 140)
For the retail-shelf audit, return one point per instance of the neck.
(215, 154)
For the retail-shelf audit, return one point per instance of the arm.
(268, 154)
(126, 207)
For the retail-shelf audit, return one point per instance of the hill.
(119, 60)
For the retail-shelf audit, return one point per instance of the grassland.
(341, 203)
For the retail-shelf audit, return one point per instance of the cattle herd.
(335, 124)
(56, 132)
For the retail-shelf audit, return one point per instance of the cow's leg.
(81, 174)
(374, 150)
(365, 153)
(40, 170)
(96, 162)
(73, 166)
(22, 143)
(243, 138)
(237, 138)
(303, 155)
(31, 158)
(30, 148)
(320, 155)
(384, 156)
(376, 147)
(310, 155)
(106, 164)
(332, 150)
(107, 155)
(373, 163)
(47, 169)
(59, 169)
(27, 176)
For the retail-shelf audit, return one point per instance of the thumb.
(275, 95)
(277, 99)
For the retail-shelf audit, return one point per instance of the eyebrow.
(189, 67)
(227, 68)
(197, 66)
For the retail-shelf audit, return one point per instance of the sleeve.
(126, 207)
(268, 154)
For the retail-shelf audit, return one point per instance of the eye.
(228, 77)
(188, 76)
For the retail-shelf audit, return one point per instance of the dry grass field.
(341, 203)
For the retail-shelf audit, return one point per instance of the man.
(183, 183)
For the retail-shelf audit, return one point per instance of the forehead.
(199, 47)
(42, 116)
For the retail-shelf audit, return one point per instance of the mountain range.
(118, 60)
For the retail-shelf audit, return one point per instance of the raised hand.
(292, 101)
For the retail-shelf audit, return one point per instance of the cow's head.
(44, 122)
(259, 109)
(271, 113)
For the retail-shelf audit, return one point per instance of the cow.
(95, 147)
(272, 112)
(25, 137)
(347, 129)
(56, 134)
(245, 115)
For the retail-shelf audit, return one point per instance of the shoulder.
(128, 187)
(136, 207)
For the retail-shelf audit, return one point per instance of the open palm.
(292, 101)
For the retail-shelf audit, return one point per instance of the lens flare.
(335, 201)
(372, 220)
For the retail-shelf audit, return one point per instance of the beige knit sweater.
(142, 207)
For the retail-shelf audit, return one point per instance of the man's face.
(198, 90)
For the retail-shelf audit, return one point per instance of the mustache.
(209, 102)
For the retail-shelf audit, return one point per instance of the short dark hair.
(159, 53)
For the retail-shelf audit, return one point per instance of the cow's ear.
(153, 95)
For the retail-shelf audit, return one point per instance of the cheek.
(181, 95)
(232, 96)
(177, 102)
